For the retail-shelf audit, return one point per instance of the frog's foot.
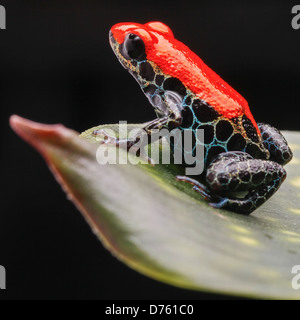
(215, 201)
(200, 188)
(114, 141)
(132, 145)
(250, 202)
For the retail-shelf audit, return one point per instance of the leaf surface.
(163, 229)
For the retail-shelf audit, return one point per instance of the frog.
(243, 160)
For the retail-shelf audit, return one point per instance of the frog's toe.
(222, 203)
(197, 186)
(204, 192)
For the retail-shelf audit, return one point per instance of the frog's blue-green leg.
(275, 142)
(235, 172)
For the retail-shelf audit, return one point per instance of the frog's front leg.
(129, 142)
(275, 142)
(133, 144)
(235, 172)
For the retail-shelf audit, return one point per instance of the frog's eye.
(134, 47)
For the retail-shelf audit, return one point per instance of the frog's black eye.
(134, 47)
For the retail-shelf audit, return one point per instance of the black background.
(57, 67)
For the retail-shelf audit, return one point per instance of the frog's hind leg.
(235, 172)
(238, 171)
(275, 142)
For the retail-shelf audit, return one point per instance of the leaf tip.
(34, 132)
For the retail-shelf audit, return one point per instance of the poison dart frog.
(239, 154)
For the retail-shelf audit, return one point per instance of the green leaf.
(163, 229)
